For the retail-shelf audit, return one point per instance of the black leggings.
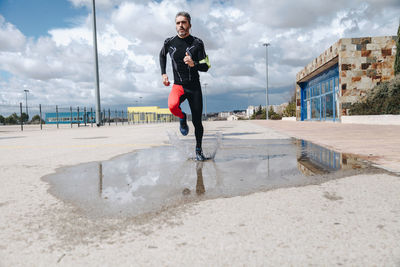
(191, 92)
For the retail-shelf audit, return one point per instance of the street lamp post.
(205, 99)
(266, 67)
(26, 101)
(96, 67)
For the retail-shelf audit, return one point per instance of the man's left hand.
(188, 60)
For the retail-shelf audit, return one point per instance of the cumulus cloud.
(11, 39)
(58, 68)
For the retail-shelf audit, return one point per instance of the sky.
(46, 47)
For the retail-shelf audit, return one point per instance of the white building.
(224, 114)
(250, 111)
(232, 118)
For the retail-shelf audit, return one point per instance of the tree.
(272, 115)
(36, 119)
(2, 119)
(397, 59)
(256, 115)
(262, 115)
(271, 112)
(12, 119)
(259, 110)
(24, 117)
(290, 110)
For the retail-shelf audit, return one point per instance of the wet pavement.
(379, 143)
(151, 180)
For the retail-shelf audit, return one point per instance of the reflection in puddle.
(200, 189)
(150, 180)
(314, 159)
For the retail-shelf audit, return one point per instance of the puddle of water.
(153, 179)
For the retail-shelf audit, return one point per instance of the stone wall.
(364, 63)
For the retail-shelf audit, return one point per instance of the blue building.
(65, 117)
(320, 95)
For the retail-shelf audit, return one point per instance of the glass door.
(329, 106)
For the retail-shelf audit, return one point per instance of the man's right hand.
(165, 80)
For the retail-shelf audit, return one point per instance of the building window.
(320, 97)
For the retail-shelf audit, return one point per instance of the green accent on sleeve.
(205, 60)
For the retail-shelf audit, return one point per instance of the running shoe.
(199, 155)
(184, 128)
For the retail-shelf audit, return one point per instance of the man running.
(188, 58)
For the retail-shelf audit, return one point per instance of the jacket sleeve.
(203, 64)
(163, 57)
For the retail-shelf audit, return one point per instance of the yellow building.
(149, 114)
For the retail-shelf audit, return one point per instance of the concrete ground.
(359, 226)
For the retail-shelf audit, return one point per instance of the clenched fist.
(165, 80)
(188, 60)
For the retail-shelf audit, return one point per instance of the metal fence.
(54, 116)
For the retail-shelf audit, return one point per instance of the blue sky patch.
(36, 18)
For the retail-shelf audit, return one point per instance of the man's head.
(182, 23)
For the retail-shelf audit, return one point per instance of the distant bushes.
(261, 115)
(14, 119)
(382, 99)
(275, 116)
(290, 110)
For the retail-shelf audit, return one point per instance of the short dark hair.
(184, 14)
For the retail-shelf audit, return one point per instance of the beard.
(182, 32)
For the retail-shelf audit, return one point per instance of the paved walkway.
(378, 143)
(352, 221)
